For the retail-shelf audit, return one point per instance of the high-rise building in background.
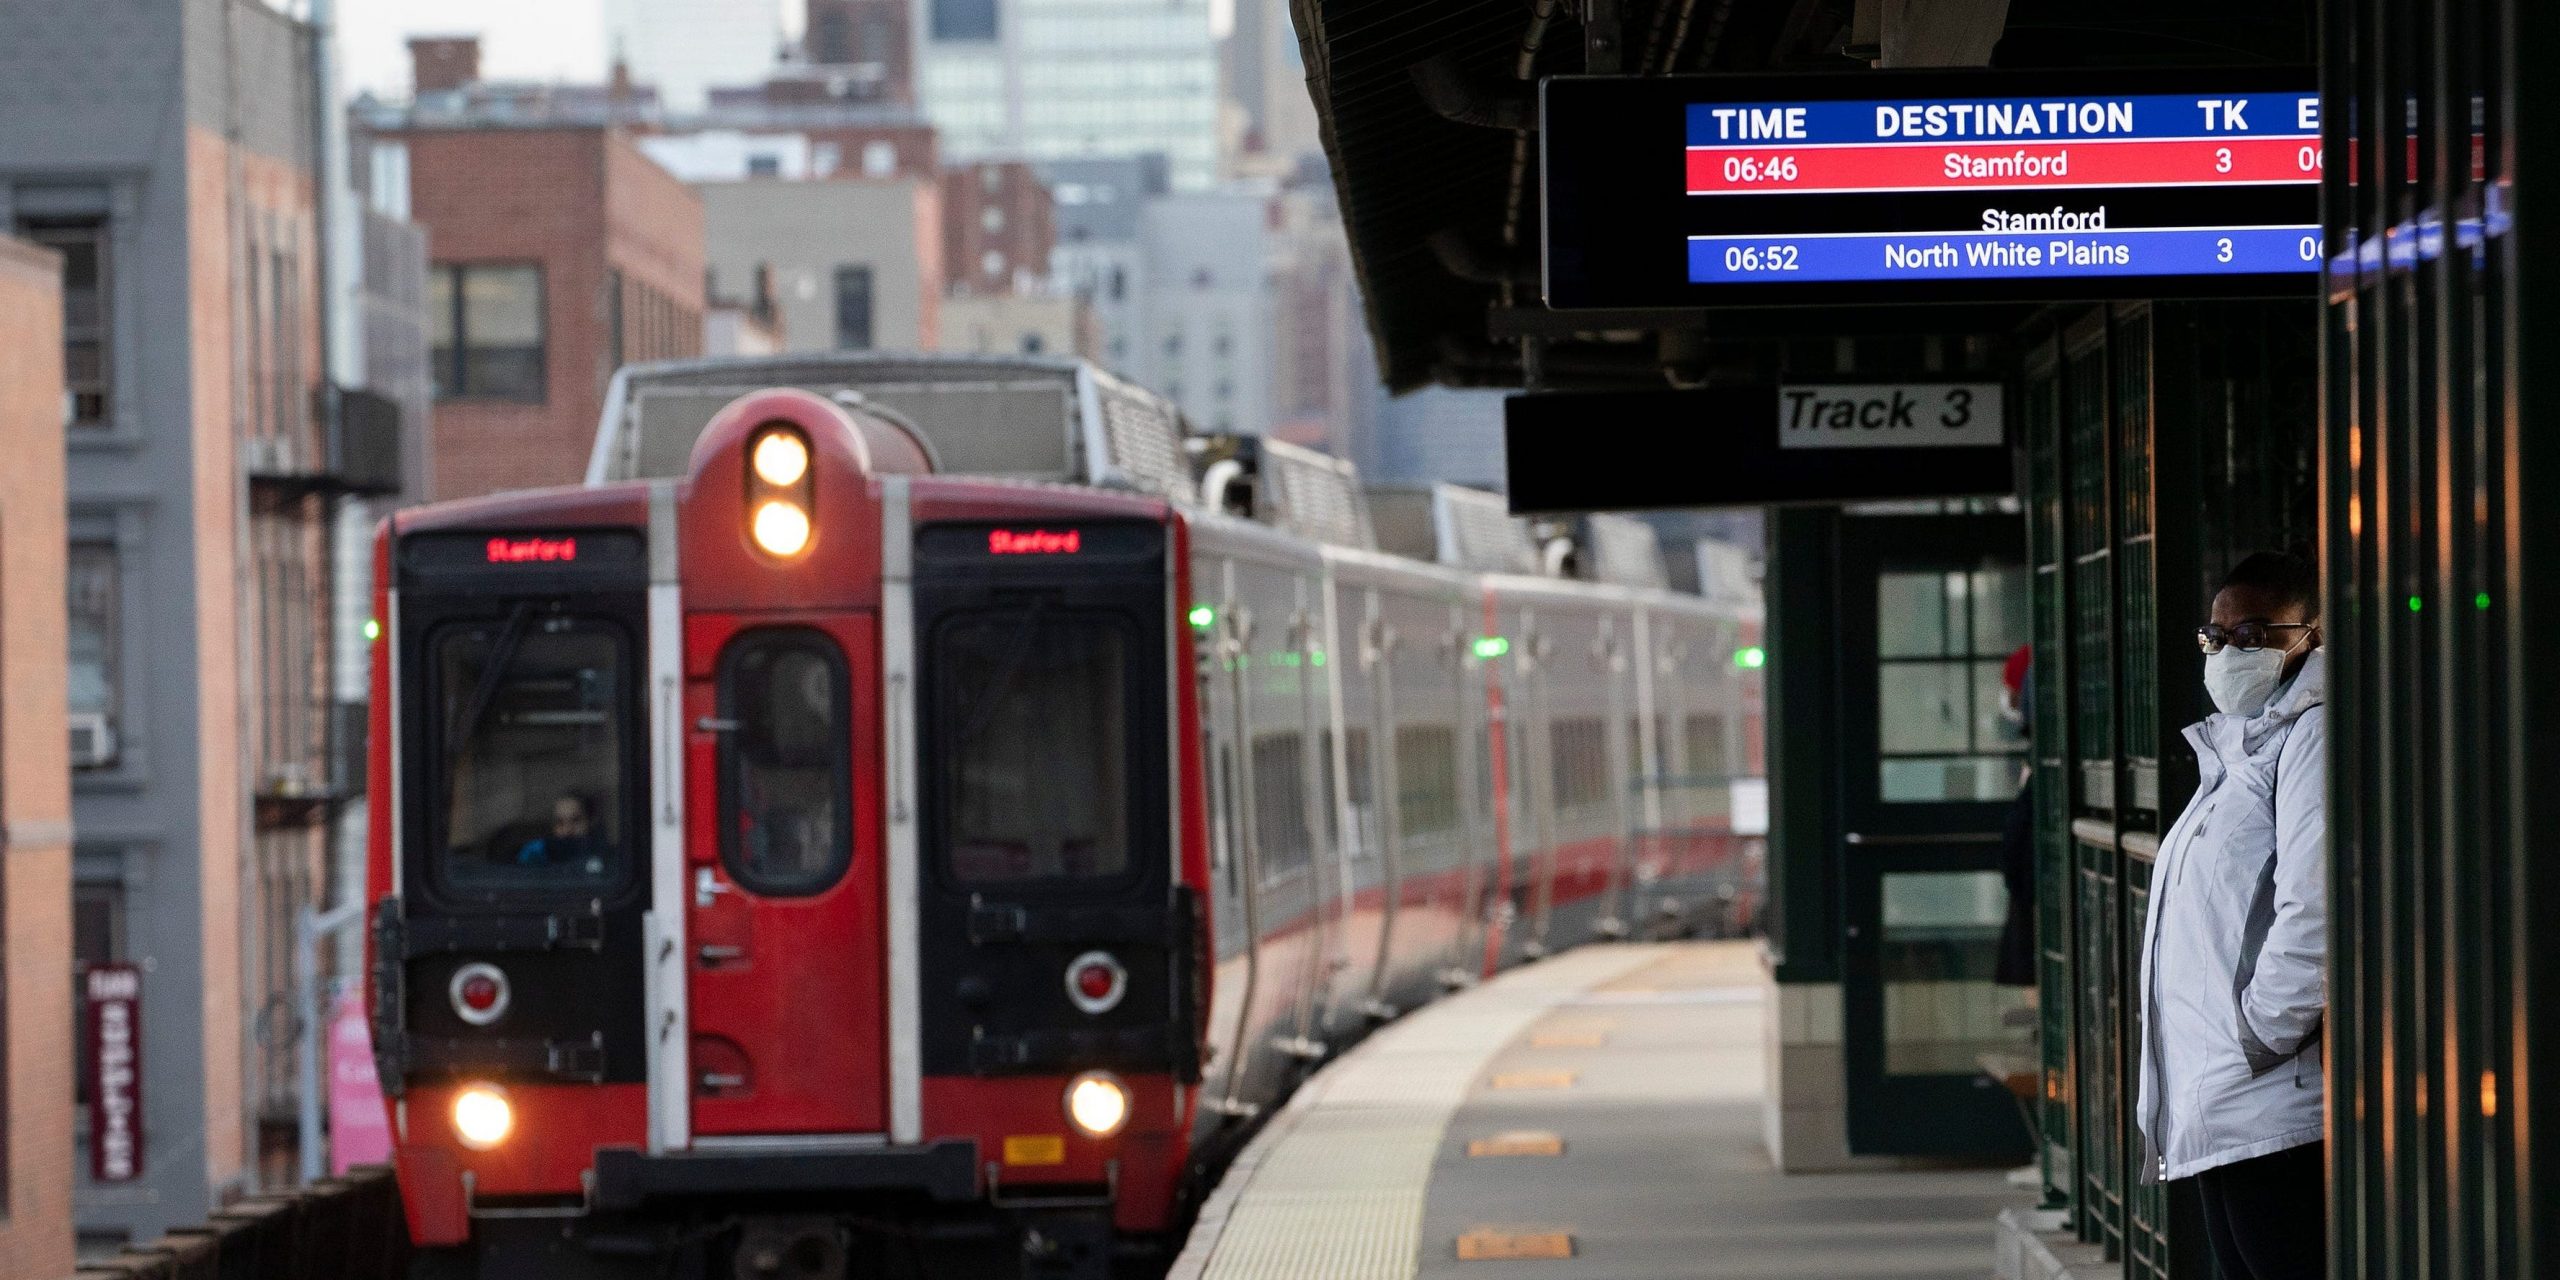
(1097, 257)
(1043, 80)
(1270, 121)
(684, 47)
(1205, 313)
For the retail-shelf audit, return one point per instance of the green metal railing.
(2160, 438)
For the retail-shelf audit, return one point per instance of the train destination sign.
(1980, 186)
(1757, 445)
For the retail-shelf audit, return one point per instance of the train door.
(1239, 925)
(1481, 851)
(1533, 730)
(1387, 785)
(1624, 761)
(783, 883)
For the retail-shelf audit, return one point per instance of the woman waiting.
(2235, 950)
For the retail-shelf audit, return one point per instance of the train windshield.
(531, 727)
(1036, 783)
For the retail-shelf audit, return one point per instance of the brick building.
(998, 226)
(873, 36)
(557, 254)
(35, 778)
(167, 154)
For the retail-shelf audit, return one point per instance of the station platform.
(1596, 1114)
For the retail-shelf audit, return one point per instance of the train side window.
(1426, 780)
(786, 789)
(531, 734)
(1036, 779)
(1280, 802)
(1580, 761)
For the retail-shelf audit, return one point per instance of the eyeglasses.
(2248, 637)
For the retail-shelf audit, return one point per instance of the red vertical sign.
(114, 1029)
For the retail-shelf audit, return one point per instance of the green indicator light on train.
(372, 630)
(1203, 617)
(1492, 646)
(2482, 600)
(1751, 657)
(2417, 603)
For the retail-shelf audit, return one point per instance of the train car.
(803, 860)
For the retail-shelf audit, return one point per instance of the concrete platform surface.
(1612, 1096)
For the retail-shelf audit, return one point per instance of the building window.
(764, 164)
(86, 310)
(853, 308)
(96, 650)
(879, 159)
(1119, 284)
(487, 341)
(1031, 344)
(964, 19)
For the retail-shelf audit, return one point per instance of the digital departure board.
(1981, 186)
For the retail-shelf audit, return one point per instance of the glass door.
(1931, 746)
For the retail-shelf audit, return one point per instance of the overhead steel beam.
(1939, 33)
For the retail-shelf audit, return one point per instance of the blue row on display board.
(1984, 255)
(1930, 186)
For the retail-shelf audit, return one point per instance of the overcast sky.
(519, 39)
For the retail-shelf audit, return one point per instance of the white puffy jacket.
(2236, 945)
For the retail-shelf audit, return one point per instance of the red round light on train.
(479, 992)
(1096, 981)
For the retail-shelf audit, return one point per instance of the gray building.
(850, 260)
(1043, 80)
(1097, 258)
(1206, 310)
(167, 152)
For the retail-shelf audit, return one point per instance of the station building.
(2379, 411)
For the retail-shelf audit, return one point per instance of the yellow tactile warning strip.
(1518, 1142)
(1534, 1080)
(1568, 1039)
(1502, 1244)
(1333, 1187)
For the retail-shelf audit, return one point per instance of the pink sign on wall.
(359, 1125)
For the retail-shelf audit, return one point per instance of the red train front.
(688, 962)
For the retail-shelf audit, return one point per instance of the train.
(918, 816)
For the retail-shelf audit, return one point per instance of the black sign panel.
(1943, 186)
(1755, 446)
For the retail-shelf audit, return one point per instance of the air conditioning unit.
(93, 740)
(265, 456)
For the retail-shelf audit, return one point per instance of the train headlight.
(781, 528)
(482, 1116)
(780, 458)
(1098, 1103)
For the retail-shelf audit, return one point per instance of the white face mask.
(2240, 683)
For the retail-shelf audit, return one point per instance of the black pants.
(2267, 1218)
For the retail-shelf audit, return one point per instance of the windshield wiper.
(486, 691)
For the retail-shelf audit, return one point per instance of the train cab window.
(786, 789)
(1036, 781)
(533, 732)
